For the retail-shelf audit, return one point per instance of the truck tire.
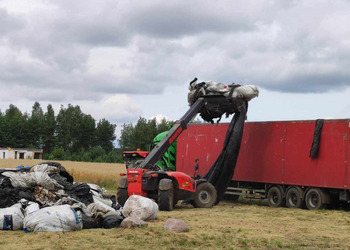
(166, 197)
(313, 199)
(294, 197)
(122, 192)
(122, 195)
(275, 197)
(205, 196)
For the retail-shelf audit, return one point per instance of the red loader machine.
(168, 187)
(133, 158)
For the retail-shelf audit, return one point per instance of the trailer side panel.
(274, 152)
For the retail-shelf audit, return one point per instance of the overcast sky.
(124, 59)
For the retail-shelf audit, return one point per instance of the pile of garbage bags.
(234, 94)
(45, 198)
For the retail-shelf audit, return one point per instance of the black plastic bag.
(10, 195)
(89, 222)
(5, 182)
(81, 192)
(112, 221)
(61, 180)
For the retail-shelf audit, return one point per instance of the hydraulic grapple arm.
(179, 126)
(212, 105)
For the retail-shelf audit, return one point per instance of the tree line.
(73, 135)
(69, 135)
(141, 135)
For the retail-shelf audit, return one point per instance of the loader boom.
(169, 187)
(218, 102)
(179, 126)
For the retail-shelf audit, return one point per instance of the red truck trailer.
(274, 161)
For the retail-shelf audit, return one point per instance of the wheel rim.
(293, 199)
(314, 200)
(274, 198)
(204, 196)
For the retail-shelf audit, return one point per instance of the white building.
(21, 153)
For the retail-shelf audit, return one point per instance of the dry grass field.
(246, 224)
(103, 174)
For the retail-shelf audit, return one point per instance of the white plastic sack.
(107, 202)
(28, 180)
(247, 91)
(96, 190)
(31, 208)
(140, 207)
(53, 219)
(11, 218)
(214, 87)
(20, 179)
(45, 168)
(43, 179)
(100, 210)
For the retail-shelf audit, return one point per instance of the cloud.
(116, 108)
(159, 118)
(9, 23)
(182, 18)
(89, 51)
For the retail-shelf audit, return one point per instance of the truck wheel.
(294, 197)
(205, 196)
(313, 199)
(122, 195)
(274, 197)
(166, 197)
(122, 192)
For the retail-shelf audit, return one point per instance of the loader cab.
(133, 158)
(168, 161)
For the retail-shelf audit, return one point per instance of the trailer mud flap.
(221, 172)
